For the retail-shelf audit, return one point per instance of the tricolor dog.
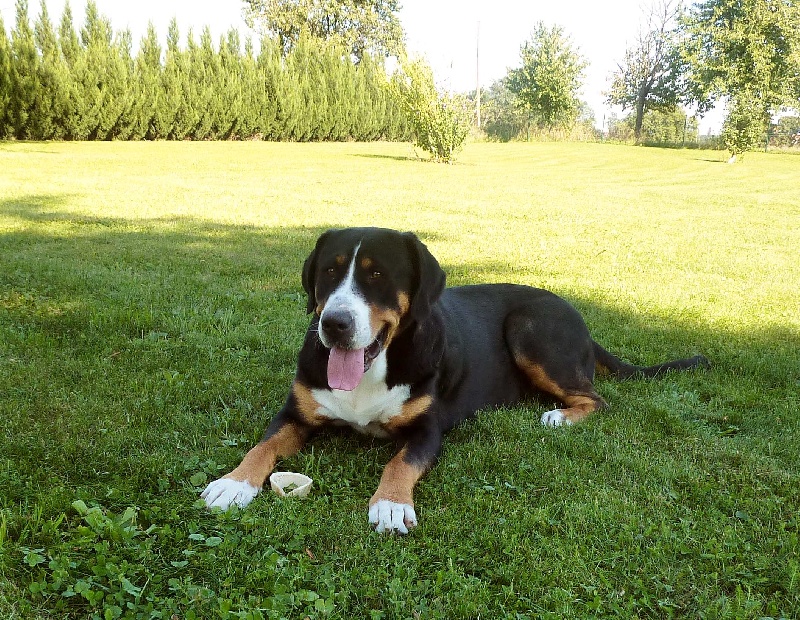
(393, 353)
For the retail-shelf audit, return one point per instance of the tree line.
(319, 74)
(56, 83)
(743, 53)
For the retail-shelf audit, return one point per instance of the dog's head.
(366, 285)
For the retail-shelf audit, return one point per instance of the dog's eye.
(330, 272)
(375, 275)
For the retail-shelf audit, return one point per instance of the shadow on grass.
(404, 158)
(81, 259)
(108, 316)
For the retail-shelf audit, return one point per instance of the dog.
(393, 353)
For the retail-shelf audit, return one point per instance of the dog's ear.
(429, 278)
(310, 274)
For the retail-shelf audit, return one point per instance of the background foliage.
(438, 120)
(547, 83)
(89, 86)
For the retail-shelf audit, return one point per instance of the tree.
(744, 127)
(440, 122)
(24, 68)
(748, 52)
(5, 82)
(360, 26)
(146, 85)
(51, 77)
(103, 78)
(502, 118)
(661, 127)
(648, 76)
(548, 82)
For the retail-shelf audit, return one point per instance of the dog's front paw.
(555, 417)
(390, 517)
(225, 492)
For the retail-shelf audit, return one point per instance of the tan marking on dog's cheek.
(259, 462)
(410, 411)
(403, 302)
(383, 317)
(398, 480)
(320, 303)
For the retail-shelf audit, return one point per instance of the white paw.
(387, 516)
(555, 417)
(225, 491)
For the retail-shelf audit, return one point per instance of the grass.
(150, 314)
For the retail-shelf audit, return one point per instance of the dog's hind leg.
(553, 349)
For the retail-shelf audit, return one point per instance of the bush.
(743, 129)
(439, 121)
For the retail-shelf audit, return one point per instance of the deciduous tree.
(748, 52)
(361, 26)
(649, 74)
(548, 82)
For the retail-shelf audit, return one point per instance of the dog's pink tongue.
(345, 369)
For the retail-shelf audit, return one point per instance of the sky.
(448, 33)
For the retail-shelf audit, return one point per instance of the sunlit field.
(150, 316)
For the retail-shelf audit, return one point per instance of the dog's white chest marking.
(372, 403)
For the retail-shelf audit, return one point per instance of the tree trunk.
(637, 129)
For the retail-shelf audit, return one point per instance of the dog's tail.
(622, 370)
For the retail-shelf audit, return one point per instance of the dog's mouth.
(346, 367)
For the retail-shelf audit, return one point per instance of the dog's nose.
(337, 324)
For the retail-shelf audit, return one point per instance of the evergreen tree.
(88, 86)
(24, 69)
(229, 87)
(125, 70)
(73, 102)
(178, 66)
(5, 83)
(103, 79)
(252, 123)
(272, 76)
(195, 87)
(146, 85)
(45, 121)
(173, 118)
(204, 71)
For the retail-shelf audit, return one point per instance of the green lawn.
(150, 315)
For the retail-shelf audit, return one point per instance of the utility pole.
(478, 76)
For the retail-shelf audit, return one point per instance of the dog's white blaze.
(347, 297)
(369, 405)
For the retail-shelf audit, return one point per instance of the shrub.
(439, 121)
